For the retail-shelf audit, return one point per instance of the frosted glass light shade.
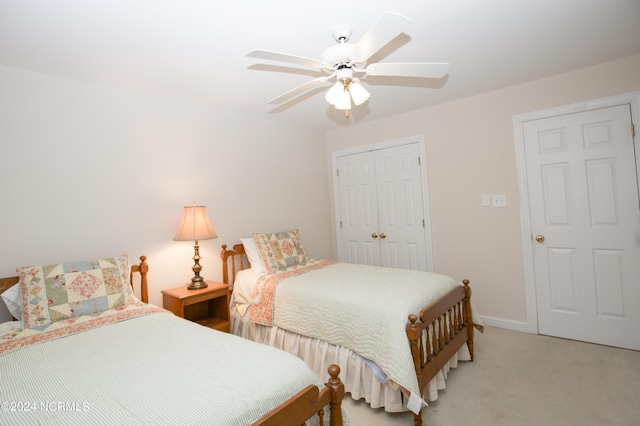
(335, 93)
(343, 101)
(338, 96)
(358, 93)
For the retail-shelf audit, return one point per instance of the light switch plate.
(499, 200)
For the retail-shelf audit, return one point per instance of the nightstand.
(207, 306)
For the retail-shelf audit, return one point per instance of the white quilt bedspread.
(362, 308)
(152, 369)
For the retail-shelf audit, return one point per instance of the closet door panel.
(359, 209)
(400, 207)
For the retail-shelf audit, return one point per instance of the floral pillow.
(59, 291)
(281, 250)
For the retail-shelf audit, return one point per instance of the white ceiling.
(194, 50)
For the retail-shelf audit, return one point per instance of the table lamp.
(195, 226)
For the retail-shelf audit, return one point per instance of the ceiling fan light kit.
(344, 60)
(346, 88)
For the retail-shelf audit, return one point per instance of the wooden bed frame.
(435, 334)
(293, 412)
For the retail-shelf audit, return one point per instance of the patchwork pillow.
(281, 250)
(64, 290)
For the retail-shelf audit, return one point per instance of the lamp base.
(197, 283)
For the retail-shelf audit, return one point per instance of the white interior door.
(583, 200)
(401, 218)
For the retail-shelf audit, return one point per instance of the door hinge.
(338, 172)
(424, 225)
(419, 161)
(340, 224)
(633, 130)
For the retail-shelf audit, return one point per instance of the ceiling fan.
(345, 60)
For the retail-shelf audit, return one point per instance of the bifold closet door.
(381, 208)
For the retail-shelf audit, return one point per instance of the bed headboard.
(238, 260)
(6, 283)
(142, 269)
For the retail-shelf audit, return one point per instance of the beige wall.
(88, 171)
(470, 152)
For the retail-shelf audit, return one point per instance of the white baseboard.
(506, 324)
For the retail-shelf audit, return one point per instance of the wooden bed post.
(142, 268)
(335, 406)
(468, 316)
(225, 267)
(414, 334)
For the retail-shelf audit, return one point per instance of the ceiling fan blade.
(409, 69)
(284, 57)
(299, 90)
(385, 29)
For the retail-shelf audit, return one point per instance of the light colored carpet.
(525, 379)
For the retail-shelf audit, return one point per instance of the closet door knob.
(374, 235)
(383, 235)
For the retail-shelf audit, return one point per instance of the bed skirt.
(358, 377)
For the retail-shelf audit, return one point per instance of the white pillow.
(10, 327)
(13, 299)
(251, 249)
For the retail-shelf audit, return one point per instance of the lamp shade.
(195, 225)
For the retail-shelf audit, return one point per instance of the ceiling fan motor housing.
(338, 54)
(344, 74)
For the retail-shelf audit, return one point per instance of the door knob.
(539, 238)
(374, 235)
(383, 235)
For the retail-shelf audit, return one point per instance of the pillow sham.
(253, 255)
(13, 299)
(281, 250)
(59, 291)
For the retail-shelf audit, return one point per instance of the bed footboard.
(438, 332)
(308, 402)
